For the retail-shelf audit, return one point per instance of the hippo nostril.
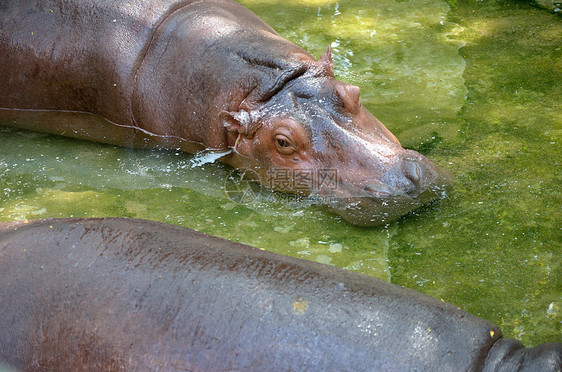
(378, 189)
(412, 170)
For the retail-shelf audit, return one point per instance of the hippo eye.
(283, 144)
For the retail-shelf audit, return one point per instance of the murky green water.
(476, 88)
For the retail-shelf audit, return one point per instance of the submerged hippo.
(206, 75)
(132, 295)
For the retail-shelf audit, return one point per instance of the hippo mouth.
(379, 205)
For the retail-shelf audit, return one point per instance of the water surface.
(475, 87)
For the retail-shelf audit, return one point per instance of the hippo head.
(309, 134)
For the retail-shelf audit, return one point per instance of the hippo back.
(116, 293)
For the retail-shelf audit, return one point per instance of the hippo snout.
(414, 171)
(414, 182)
(419, 171)
(413, 175)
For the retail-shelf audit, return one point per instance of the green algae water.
(473, 86)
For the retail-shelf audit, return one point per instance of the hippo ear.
(348, 96)
(239, 122)
(326, 64)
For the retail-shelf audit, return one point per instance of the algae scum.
(475, 87)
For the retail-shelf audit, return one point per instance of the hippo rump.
(123, 294)
(206, 75)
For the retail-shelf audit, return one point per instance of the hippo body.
(206, 75)
(94, 63)
(121, 294)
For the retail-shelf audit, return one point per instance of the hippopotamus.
(206, 75)
(123, 294)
